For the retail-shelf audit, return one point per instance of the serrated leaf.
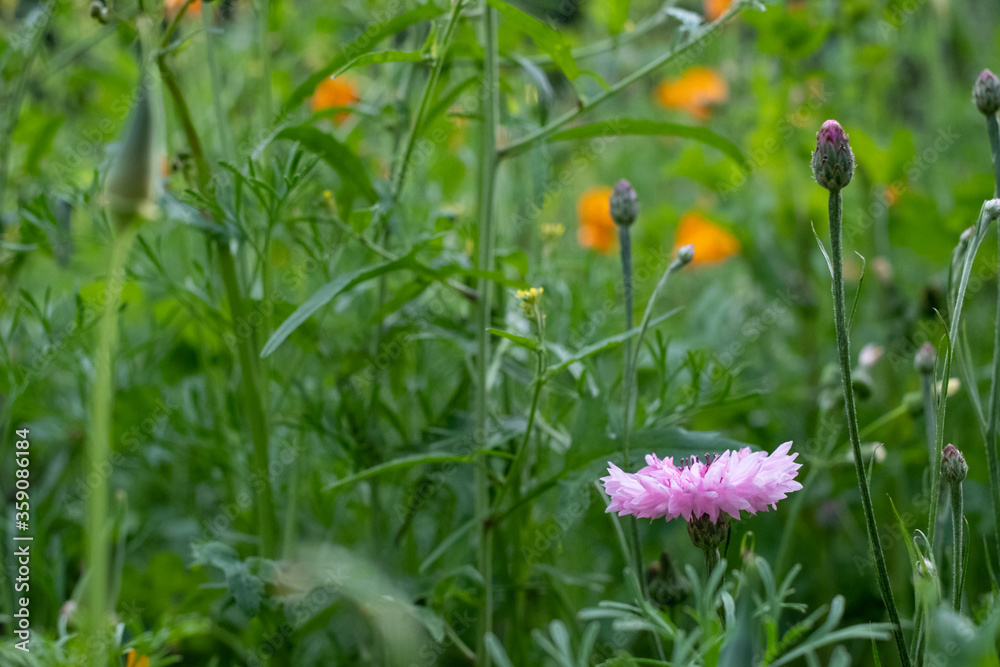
(637, 127)
(247, 590)
(335, 154)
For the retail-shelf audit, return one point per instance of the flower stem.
(930, 414)
(843, 347)
(485, 261)
(253, 406)
(957, 517)
(993, 411)
(99, 447)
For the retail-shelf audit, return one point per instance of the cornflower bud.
(833, 161)
(986, 93)
(624, 204)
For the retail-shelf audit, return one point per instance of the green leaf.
(604, 344)
(335, 154)
(548, 40)
(639, 127)
(382, 57)
(523, 341)
(247, 590)
(326, 293)
(376, 32)
(618, 15)
(399, 463)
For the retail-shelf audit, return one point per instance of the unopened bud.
(954, 469)
(624, 203)
(986, 93)
(833, 161)
(685, 254)
(992, 209)
(130, 185)
(99, 12)
(925, 359)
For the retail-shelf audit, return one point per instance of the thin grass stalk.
(99, 448)
(485, 261)
(844, 349)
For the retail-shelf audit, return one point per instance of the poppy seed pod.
(833, 160)
(685, 254)
(624, 204)
(130, 186)
(986, 93)
(954, 469)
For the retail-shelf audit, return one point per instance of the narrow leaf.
(604, 344)
(375, 33)
(396, 464)
(548, 40)
(638, 127)
(523, 341)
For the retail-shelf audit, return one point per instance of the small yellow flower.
(552, 231)
(530, 299)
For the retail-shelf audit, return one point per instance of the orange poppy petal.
(694, 91)
(338, 92)
(596, 228)
(716, 8)
(711, 242)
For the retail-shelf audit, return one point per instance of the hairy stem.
(993, 411)
(844, 348)
(957, 518)
(99, 448)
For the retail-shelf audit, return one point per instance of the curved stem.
(843, 347)
(99, 447)
(526, 142)
(993, 419)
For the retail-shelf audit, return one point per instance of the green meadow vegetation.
(499, 333)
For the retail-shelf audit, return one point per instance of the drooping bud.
(925, 359)
(708, 535)
(833, 161)
(986, 93)
(685, 254)
(954, 469)
(992, 209)
(624, 204)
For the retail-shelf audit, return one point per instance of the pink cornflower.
(731, 483)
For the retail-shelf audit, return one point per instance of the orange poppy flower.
(695, 91)
(593, 211)
(133, 659)
(171, 7)
(338, 92)
(711, 242)
(716, 8)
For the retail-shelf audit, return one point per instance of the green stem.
(485, 261)
(930, 413)
(844, 348)
(993, 131)
(542, 133)
(957, 517)
(253, 406)
(99, 447)
(263, 8)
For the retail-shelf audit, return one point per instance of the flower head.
(954, 469)
(833, 160)
(529, 299)
(736, 481)
(986, 93)
(712, 243)
(695, 91)
(624, 205)
(552, 231)
(596, 228)
(334, 92)
(171, 7)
